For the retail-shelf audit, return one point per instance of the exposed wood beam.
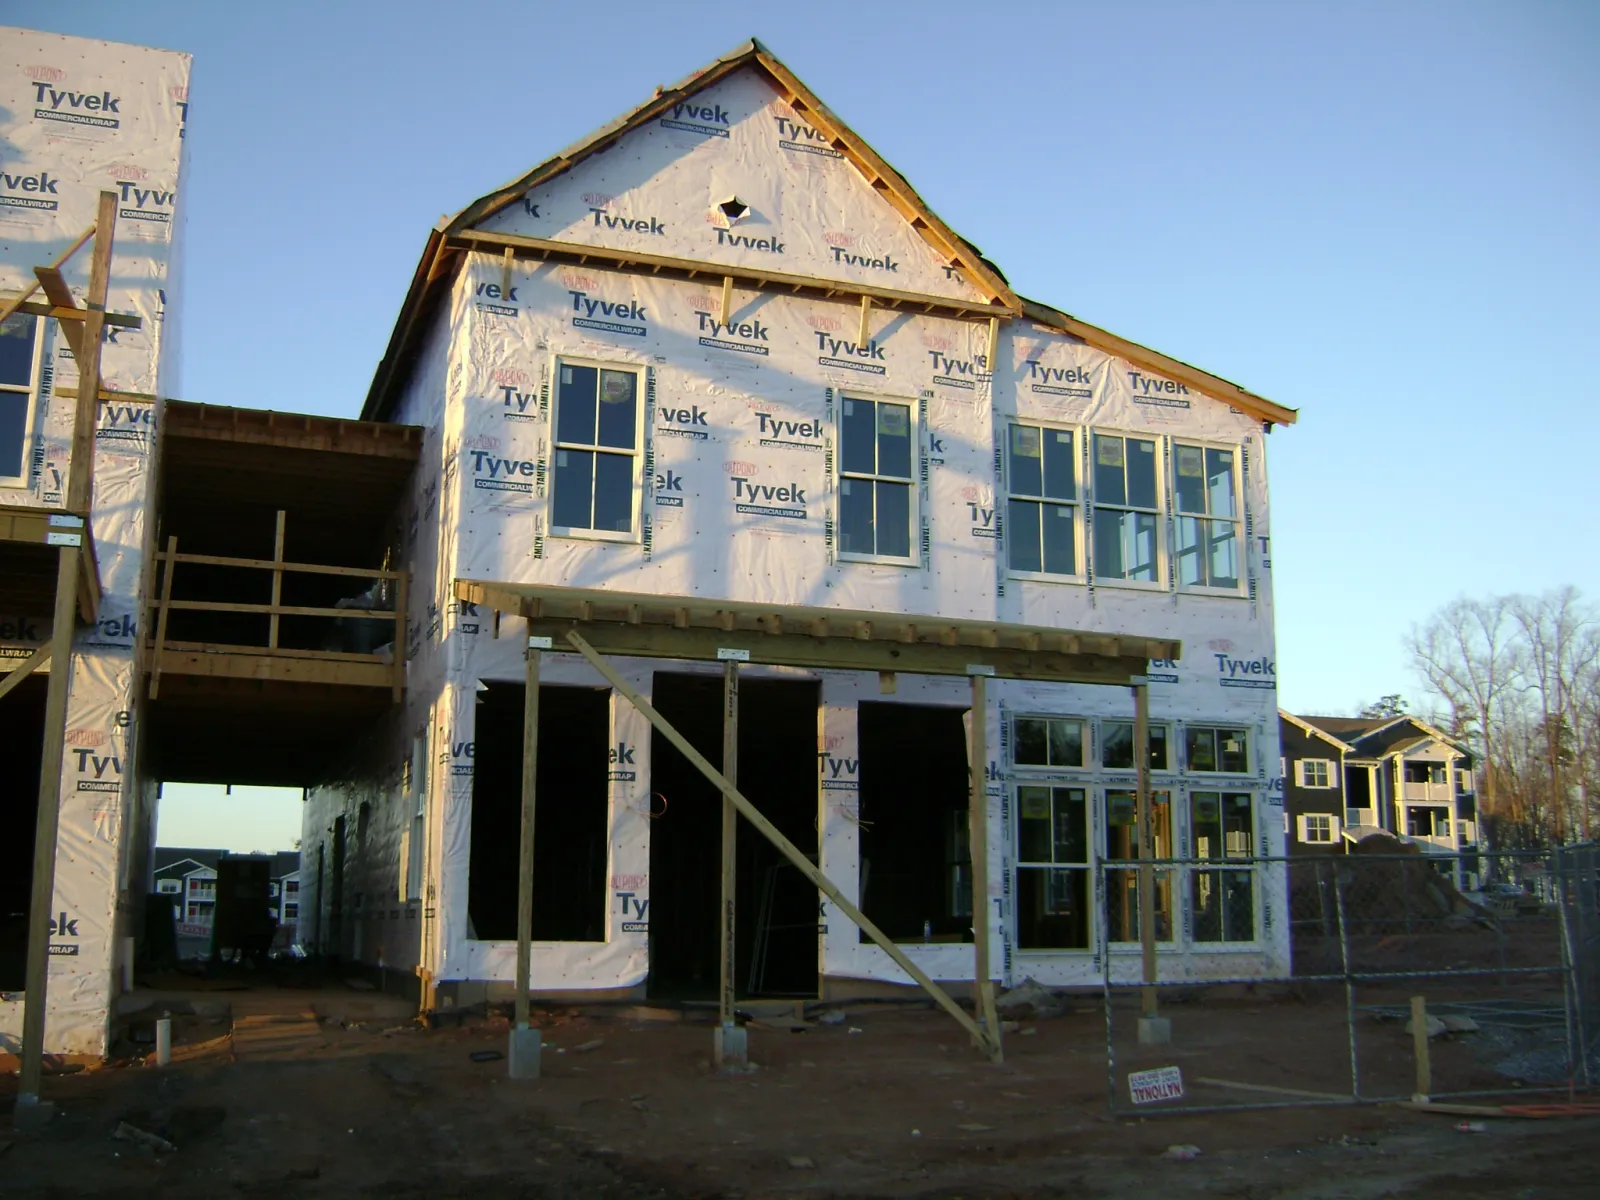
(25, 668)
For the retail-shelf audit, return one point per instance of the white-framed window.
(1315, 773)
(1127, 534)
(1042, 506)
(598, 450)
(1052, 874)
(877, 482)
(414, 783)
(1210, 536)
(1122, 883)
(1318, 828)
(169, 887)
(1216, 749)
(1116, 746)
(1049, 742)
(1222, 897)
(21, 345)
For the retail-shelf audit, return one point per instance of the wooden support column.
(727, 300)
(1147, 850)
(80, 494)
(864, 335)
(730, 840)
(530, 770)
(784, 846)
(161, 617)
(978, 836)
(277, 581)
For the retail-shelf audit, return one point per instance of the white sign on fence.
(1163, 1083)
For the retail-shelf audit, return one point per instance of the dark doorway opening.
(776, 908)
(570, 814)
(916, 859)
(21, 753)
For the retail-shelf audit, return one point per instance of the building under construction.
(732, 587)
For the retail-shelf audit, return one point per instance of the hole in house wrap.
(570, 806)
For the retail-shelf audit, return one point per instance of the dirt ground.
(338, 1093)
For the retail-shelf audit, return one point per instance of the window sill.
(1131, 585)
(1046, 577)
(595, 535)
(880, 560)
(1223, 593)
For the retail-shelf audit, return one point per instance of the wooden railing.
(169, 654)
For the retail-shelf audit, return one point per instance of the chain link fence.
(1498, 953)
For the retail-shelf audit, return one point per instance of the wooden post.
(1147, 850)
(530, 764)
(864, 335)
(1419, 1044)
(727, 300)
(730, 834)
(80, 494)
(161, 617)
(978, 838)
(785, 847)
(277, 581)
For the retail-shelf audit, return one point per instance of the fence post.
(1349, 983)
(1420, 1049)
(1577, 1049)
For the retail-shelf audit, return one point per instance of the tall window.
(876, 490)
(1223, 749)
(1223, 900)
(598, 453)
(1052, 868)
(1048, 742)
(1208, 518)
(1122, 883)
(1127, 509)
(1116, 746)
(1042, 513)
(19, 359)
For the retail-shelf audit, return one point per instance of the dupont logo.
(86, 737)
(739, 470)
(580, 282)
(179, 94)
(129, 172)
(795, 136)
(44, 74)
(35, 191)
(98, 109)
(707, 120)
(737, 337)
(837, 352)
(608, 316)
(786, 500)
(1059, 381)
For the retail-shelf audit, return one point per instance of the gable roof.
(1381, 736)
(1305, 726)
(462, 232)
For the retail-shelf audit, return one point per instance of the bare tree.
(1558, 646)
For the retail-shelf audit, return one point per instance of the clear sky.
(1382, 214)
(248, 820)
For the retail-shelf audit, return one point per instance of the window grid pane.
(597, 449)
(876, 480)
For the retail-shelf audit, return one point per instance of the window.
(1042, 513)
(1216, 748)
(876, 492)
(1223, 898)
(291, 886)
(1319, 828)
(168, 887)
(291, 912)
(598, 459)
(1116, 746)
(1122, 883)
(1052, 868)
(1208, 517)
(414, 838)
(1048, 742)
(1127, 509)
(20, 342)
(1315, 773)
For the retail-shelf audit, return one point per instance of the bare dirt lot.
(338, 1093)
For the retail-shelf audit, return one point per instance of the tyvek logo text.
(76, 108)
(837, 352)
(708, 120)
(29, 191)
(740, 337)
(613, 315)
(1059, 381)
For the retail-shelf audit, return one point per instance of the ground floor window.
(1053, 869)
(1122, 883)
(1223, 900)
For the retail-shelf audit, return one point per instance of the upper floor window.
(1208, 530)
(1315, 773)
(877, 490)
(1042, 510)
(598, 451)
(20, 342)
(1048, 742)
(1127, 509)
(1116, 745)
(1219, 748)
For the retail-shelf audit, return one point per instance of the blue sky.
(1382, 214)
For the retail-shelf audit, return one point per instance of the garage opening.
(570, 814)
(21, 752)
(776, 908)
(916, 858)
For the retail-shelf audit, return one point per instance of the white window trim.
(1080, 527)
(1303, 829)
(1120, 773)
(1176, 876)
(1257, 806)
(31, 410)
(1031, 770)
(1162, 511)
(1249, 750)
(1302, 775)
(918, 453)
(635, 535)
(1238, 521)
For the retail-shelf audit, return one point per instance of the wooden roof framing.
(655, 626)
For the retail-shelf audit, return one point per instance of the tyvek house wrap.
(739, 415)
(80, 117)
